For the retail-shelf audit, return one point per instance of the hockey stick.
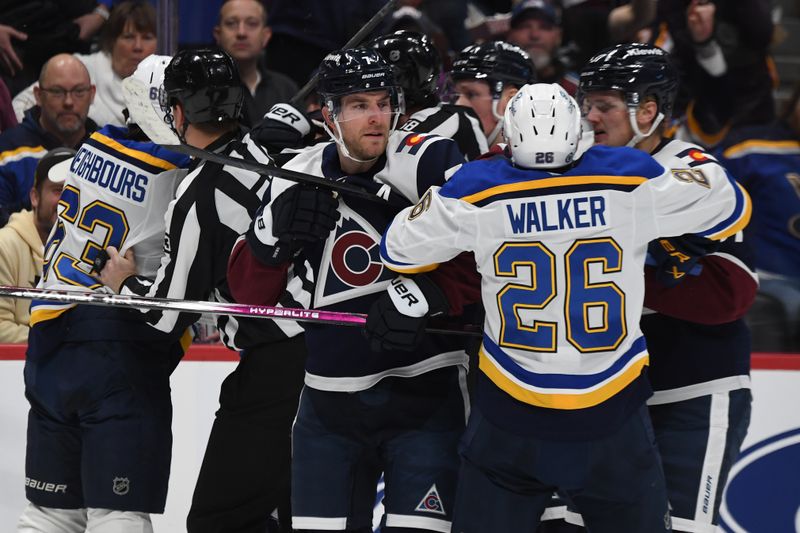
(266, 170)
(146, 112)
(196, 306)
(371, 24)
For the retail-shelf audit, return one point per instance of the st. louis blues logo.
(354, 266)
(431, 503)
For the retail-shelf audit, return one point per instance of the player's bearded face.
(365, 120)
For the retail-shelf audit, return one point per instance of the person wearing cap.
(535, 26)
(22, 243)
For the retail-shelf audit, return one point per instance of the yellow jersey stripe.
(136, 154)
(563, 401)
(20, 150)
(41, 315)
(758, 145)
(552, 182)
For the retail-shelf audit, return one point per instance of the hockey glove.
(283, 126)
(675, 257)
(300, 215)
(397, 320)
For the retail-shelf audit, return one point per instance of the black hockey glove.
(397, 320)
(283, 126)
(675, 257)
(300, 215)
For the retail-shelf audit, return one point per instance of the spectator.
(128, 37)
(7, 118)
(721, 49)
(243, 33)
(536, 28)
(60, 118)
(33, 32)
(22, 243)
(766, 161)
(486, 77)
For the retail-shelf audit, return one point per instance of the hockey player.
(417, 68)
(696, 292)
(560, 246)
(99, 427)
(214, 205)
(486, 76)
(401, 410)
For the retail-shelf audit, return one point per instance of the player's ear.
(646, 113)
(327, 117)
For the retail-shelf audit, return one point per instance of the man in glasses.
(60, 118)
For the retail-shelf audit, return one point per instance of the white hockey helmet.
(144, 96)
(542, 126)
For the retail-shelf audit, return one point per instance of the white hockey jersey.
(116, 194)
(561, 259)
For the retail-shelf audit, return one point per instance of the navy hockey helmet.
(496, 62)
(637, 71)
(356, 70)
(206, 82)
(416, 64)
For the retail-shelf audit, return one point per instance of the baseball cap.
(533, 9)
(54, 165)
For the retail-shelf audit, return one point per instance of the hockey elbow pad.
(397, 319)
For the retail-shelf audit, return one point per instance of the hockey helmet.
(206, 83)
(542, 126)
(416, 64)
(356, 70)
(637, 71)
(496, 62)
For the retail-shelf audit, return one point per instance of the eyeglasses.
(60, 93)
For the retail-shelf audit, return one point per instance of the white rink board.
(195, 388)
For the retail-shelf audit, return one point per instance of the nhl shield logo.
(431, 503)
(121, 486)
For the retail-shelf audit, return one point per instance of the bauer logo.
(763, 493)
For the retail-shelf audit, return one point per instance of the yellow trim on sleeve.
(736, 149)
(562, 401)
(741, 223)
(136, 154)
(413, 270)
(21, 149)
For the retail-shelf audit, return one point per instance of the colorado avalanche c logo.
(352, 266)
(353, 259)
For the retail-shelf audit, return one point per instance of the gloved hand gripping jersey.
(283, 126)
(397, 320)
(300, 215)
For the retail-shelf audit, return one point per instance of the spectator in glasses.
(128, 37)
(59, 118)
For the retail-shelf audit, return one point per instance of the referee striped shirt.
(213, 206)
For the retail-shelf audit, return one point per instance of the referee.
(250, 438)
